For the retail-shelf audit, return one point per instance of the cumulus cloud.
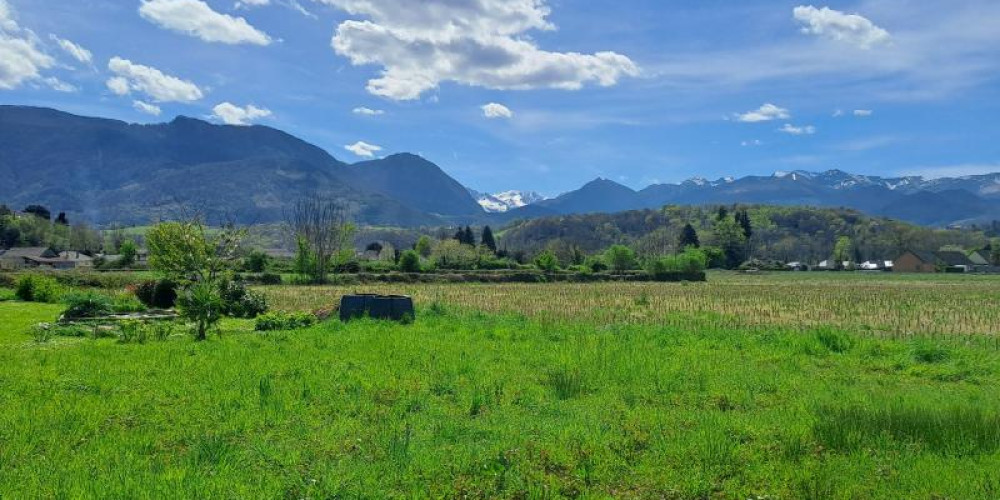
(836, 25)
(481, 43)
(131, 77)
(862, 112)
(363, 149)
(793, 130)
(195, 18)
(74, 50)
(145, 107)
(494, 110)
(368, 111)
(231, 114)
(765, 113)
(21, 57)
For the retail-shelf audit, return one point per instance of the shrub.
(409, 262)
(596, 264)
(280, 320)
(270, 279)
(202, 305)
(378, 266)
(257, 262)
(87, 305)
(547, 261)
(690, 261)
(160, 294)
(124, 303)
(240, 302)
(38, 288)
(6, 294)
(620, 258)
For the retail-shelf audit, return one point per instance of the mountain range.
(107, 171)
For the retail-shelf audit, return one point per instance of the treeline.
(740, 232)
(35, 226)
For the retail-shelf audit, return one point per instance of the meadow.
(767, 386)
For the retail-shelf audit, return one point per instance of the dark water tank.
(390, 307)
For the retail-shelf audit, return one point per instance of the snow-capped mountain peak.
(507, 200)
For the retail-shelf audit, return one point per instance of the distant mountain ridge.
(111, 171)
(105, 171)
(933, 202)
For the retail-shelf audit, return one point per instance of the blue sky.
(541, 95)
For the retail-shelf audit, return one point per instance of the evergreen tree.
(722, 214)
(39, 211)
(689, 238)
(470, 237)
(460, 235)
(488, 241)
(61, 219)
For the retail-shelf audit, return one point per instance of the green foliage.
(186, 252)
(202, 305)
(409, 262)
(835, 341)
(930, 352)
(257, 262)
(127, 252)
(596, 263)
(691, 260)
(87, 305)
(452, 254)
(7, 294)
(125, 302)
(688, 238)
(159, 294)
(280, 320)
(620, 258)
(424, 246)
(547, 261)
(238, 301)
(488, 240)
(38, 288)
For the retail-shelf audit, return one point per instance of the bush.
(378, 266)
(270, 279)
(160, 294)
(38, 288)
(690, 261)
(87, 305)
(124, 303)
(240, 302)
(257, 262)
(6, 294)
(280, 320)
(547, 261)
(620, 258)
(409, 262)
(596, 264)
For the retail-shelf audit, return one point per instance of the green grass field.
(487, 395)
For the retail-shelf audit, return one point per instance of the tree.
(843, 250)
(409, 262)
(721, 214)
(731, 239)
(451, 254)
(127, 254)
(424, 247)
(689, 238)
(547, 261)
(620, 258)
(743, 219)
(469, 237)
(61, 219)
(257, 261)
(488, 241)
(185, 253)
(38, 211)
(324, 227)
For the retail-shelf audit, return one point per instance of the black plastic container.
(389, 307)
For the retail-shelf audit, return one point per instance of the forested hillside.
(778, 233)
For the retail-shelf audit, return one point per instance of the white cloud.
(195, 18)
(59, 85)
(755, 142)
(765, 113)
(150, 81)
(368, 111)
(363, 149)
(862, 113)
(494, 110)
(74, 50)
(252, 3)
(838, 113)
(21, 58)
(481, 43)
(231, 114)
(836, 25)
(145, 107)
(291, 4)
(793, 130)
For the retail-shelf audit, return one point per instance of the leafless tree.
(322, 227)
